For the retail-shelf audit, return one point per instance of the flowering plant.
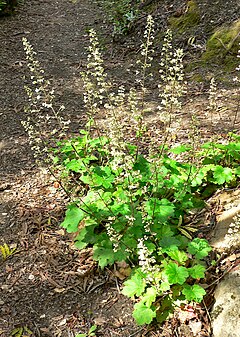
(129, 199)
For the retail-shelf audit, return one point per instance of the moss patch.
(190, 19)
(222, 47)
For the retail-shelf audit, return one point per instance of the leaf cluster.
(121, 14)
(150, 203)
(6, 251)
(180, 267)
(7, 6)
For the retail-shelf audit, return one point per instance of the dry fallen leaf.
(119, 275)
(125, 271)
(59, 290)
(9, 269)
(62, 322)
(99, 320)
(122, 264)
(195, 326)
(60, 232)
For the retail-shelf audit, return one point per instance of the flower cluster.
(171, 74)
(146, 52)
(113, 235)
(212, 106)
(95, 82)
(147, 262)
(43, 123)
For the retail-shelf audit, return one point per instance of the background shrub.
(7, 6)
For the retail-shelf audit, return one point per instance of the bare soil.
(48, 286)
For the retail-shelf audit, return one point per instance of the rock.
(226, 238)
(226, 314)
(226, 234)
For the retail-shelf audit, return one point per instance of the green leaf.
(91, 197)
(135, 286)
(198, 178)
(165, 286)
(176, 274)
(142, 165)
(104, 256)
(197, 271)
(180, 149)
(237, 171)
(130, 241)
(102, 176)
(169, 243)
(163, 232)
(193, 293)
(92, 329)
(222, 175)
(143, 314)
(149, 297)
(120, 208)
(86, 179)
(160, 209)
(99, 176)
(79, 243)
(86, 235)
(178, 255)
(199, 247)
(120, 194)
(166, 307)
(75, 165)
(73, 216)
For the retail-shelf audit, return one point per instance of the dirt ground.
(47, 287)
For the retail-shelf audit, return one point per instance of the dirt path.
(45, 287)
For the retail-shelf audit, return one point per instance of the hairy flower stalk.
(171, 90)
(97, 97)
(146, 54)
(145, 63)
(171, 74)
(113, 235)
(212, 99)
(44, 123)
(237, 79)
(95, 82)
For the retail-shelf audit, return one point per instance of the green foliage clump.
(137, 217)
(7, 6)
(121, 14)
